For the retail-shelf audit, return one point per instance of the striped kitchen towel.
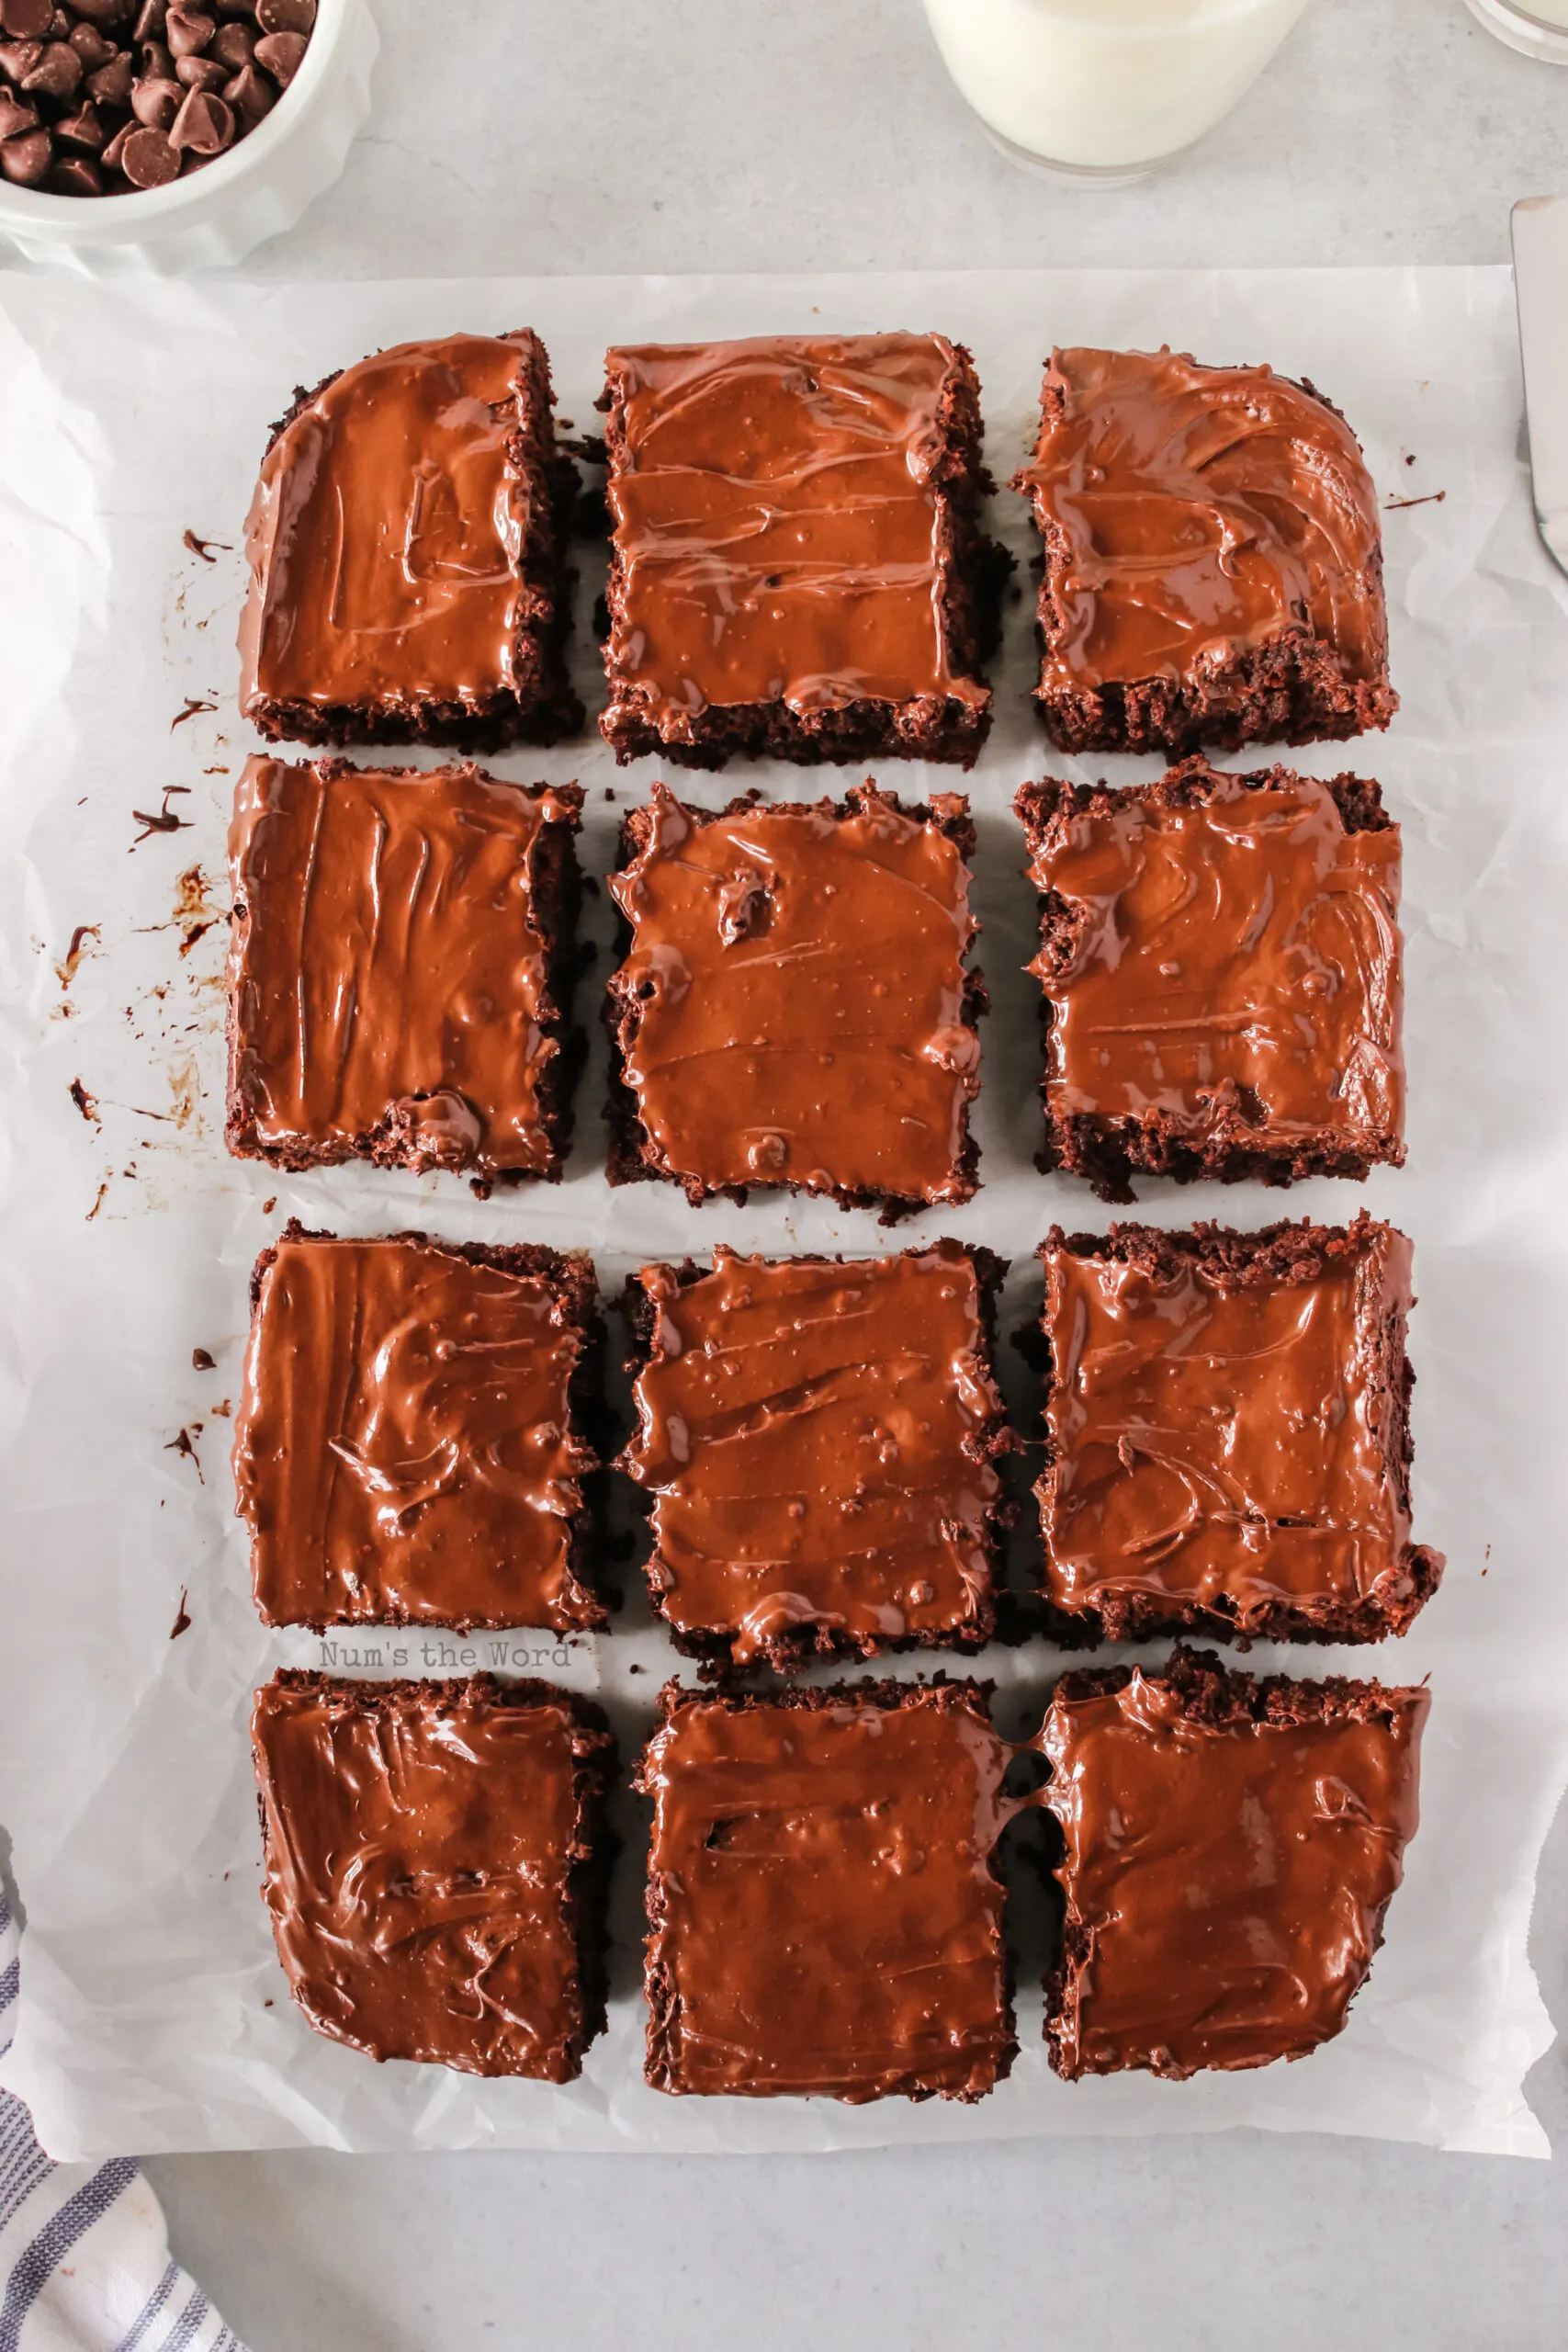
(85, 2260)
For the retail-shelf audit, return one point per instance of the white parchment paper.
(154, 2013)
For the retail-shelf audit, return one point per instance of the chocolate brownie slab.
(434, 1857)
(407, 553)
(400, 971)
(819, 1439)
(793, 1007)
(409, 1446)
(797, 566)
(1214, 558)
(1232, 1846)
(1228, 1434)
(1223, 968)
(826, 1919)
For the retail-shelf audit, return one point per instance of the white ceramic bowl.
(259, 188)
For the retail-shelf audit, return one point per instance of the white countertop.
(721, 135)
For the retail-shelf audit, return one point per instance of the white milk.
(1108, 85)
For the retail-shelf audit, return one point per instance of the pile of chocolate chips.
(101, 96)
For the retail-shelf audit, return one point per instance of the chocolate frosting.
(780, 528)
(404, 1448)
(1226, 1876)
(1194, 513)
(420, 1845)
(825, 1915)
(1233, 1440)
(816, 1438)
(385, 534)
(388, 978)
(793, 1004)
(1220, 952)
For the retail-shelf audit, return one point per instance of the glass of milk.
(1105, 90)
(1538, 27)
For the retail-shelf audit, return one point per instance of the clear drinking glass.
(1540, 28)
(1106, 90)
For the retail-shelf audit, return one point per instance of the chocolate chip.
(56, 74)
(148, 160)
(25, 160)
(204, 124)
(110, 85)
(250, 95)
(90, 45)
(188, 32)
(76, 176)
(281, 54)
(25, 19)
(155, 104)
(146, 88)
(82, 128)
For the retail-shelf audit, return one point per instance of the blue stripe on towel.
(174, 2317)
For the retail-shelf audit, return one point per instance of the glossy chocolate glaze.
(425, 1849)
(794, 1008)
(1228, 1430)
(781, 532)
(1221, 958)
(389, 982)
(386, 535)
(1194, 513)
(1231, 1849)
(826, 1919)
(817, 1439)
(404, 1445)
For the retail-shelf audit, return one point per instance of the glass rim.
(1518, 12)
